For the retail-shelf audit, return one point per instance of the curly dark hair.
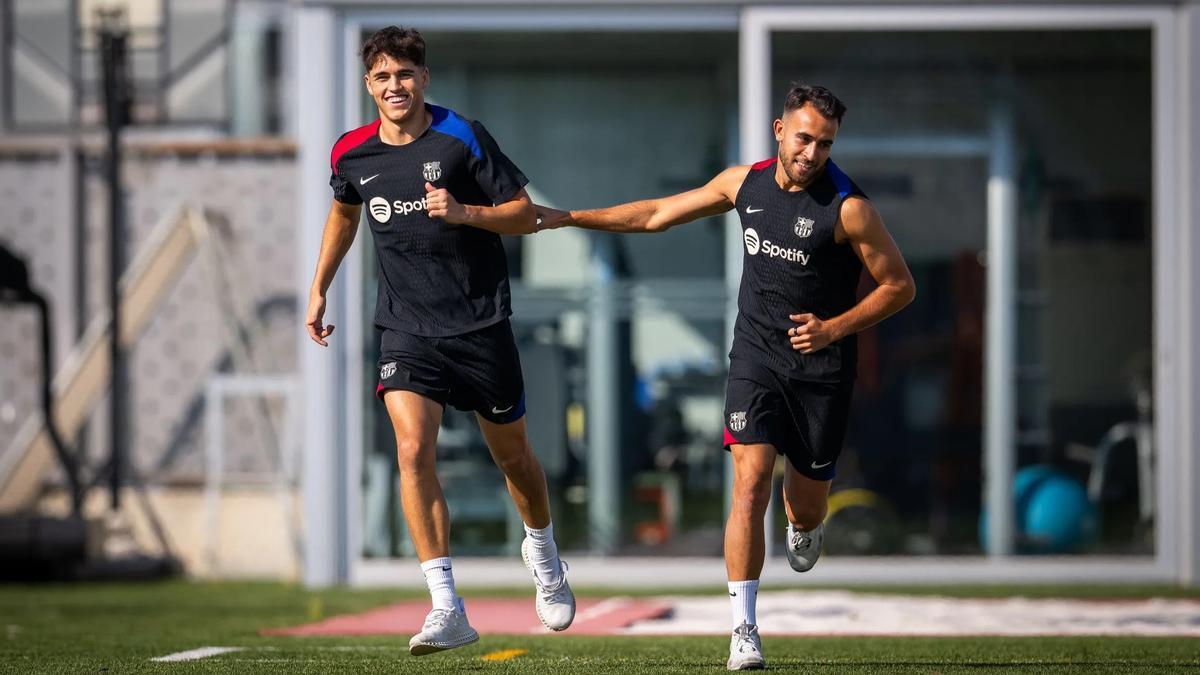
(397, 42)
(821, 98)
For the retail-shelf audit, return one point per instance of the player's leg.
(510, 448)
(806, 501)
(489, 381)
(820, 414)
(513, 454)
(753, 465)
(415, 420)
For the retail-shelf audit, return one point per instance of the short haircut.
(821, 98)
(394, 41)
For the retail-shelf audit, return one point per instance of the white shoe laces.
(745, 640)
(800, 540)
(557, 592)
(438, 618)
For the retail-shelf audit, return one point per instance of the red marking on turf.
(490, 616)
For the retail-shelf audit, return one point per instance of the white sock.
(439, 575)
(543, 553)
(742, 596)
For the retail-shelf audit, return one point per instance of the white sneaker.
(803, 548)
(555, 604)
(745, 649)
(444, 629)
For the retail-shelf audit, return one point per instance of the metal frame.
(218, 389)
(1171, 339)
(1188, 328)
(332, 441)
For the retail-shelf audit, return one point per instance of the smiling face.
(805, 138)
(398, 87)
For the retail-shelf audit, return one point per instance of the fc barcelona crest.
(803, 226)
(737, 421)
(432, 171)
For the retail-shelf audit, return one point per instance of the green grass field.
(117, 628)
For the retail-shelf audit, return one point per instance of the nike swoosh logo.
(364, 181)
(752, 210)
(445, 569)
(733, 595)
(820, 466)
(497, 411)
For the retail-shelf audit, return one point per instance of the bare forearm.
(514, 217)
(882, 302)
(335, 242)
(631, 217)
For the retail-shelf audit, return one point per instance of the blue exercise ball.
(1058, 518)
(1053, 514)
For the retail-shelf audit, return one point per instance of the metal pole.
(314, 56)
(7, 16)
(1187, 447)
(1001, 346)
(113, 39)
(603, 414)
(754, 68)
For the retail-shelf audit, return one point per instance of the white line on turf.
(195, 654)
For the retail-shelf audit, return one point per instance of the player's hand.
(312, 321)
(439, 203)
(550, 219)
(810, 334)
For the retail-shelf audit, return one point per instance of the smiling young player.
(430, 179)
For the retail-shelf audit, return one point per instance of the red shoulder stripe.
(351, 139)
(765, 164)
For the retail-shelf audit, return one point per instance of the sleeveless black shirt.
(793, 265)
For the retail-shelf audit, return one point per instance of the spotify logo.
(380, 209)
(751, 237)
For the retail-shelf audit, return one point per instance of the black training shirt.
(435, 279)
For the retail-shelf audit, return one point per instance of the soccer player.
(427, 176)
(808, 231)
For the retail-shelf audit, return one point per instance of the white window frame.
(323, 45)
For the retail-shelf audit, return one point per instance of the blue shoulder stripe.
(840, 180)
(450, 123)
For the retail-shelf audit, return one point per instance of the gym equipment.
(1053, 512)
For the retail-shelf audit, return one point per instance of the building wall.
(246, 269)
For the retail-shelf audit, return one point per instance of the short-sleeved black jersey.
(793, 265)
(435, 279)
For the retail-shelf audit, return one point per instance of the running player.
(808, 231)
(427, 175)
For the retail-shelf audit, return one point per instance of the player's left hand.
(439, 203)
(812, 334)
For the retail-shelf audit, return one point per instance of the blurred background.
(1034, 406)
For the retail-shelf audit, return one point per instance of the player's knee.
(413, 455)
(517, 463)
(752, 495)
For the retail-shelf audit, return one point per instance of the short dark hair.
(397, 42)
(821, 98)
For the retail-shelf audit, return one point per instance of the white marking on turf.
(845, 613)
(196, 654)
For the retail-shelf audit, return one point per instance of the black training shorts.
(478, 371)
(805, 421)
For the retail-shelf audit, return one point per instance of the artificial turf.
(118, 628)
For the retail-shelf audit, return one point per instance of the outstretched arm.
(514, 216)
(654, 215)
(340, 227)
(862, 228)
